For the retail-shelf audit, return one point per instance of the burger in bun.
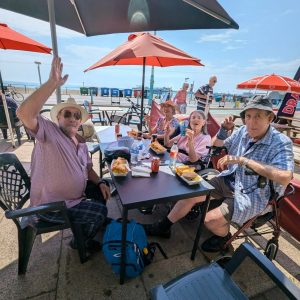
(190, 175)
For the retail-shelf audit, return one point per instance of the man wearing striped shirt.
(204, 94)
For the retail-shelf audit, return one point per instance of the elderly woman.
(168, 109)
(180, 98)
(192, 146)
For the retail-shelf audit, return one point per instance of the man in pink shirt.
(60, 166)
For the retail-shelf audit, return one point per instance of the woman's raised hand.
(56, 72)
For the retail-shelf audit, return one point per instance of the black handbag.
(115, 152)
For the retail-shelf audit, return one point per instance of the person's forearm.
(192, 153)
(31, 107)
(216, 142)
(282, 177)
(167, 142)
(93, 176)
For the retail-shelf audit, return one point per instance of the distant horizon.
(77, 87)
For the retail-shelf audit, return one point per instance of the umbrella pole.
(53, 39)
(7, 114)
(142, 100)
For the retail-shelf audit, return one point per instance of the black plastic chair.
(14, 194)
(214, 282)
(16, 124)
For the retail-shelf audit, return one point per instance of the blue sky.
(267, 42)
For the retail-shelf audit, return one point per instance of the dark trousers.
(91, 213)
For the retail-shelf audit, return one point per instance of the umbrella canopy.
(94, 17)
(272, 83)
(155, 50)
(10, 39)
(146, 49)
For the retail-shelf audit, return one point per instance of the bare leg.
(216, 223)
(183, 207)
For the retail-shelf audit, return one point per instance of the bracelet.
(222, 134)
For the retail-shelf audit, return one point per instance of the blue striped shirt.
(274, 149)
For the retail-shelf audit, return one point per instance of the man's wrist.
(222, 134)
(103, 181)
(244, 162)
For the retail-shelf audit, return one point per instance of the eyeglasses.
(67, 115)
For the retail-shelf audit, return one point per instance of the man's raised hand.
(228, 123)
(56, 72)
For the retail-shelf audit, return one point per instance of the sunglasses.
(67, 115)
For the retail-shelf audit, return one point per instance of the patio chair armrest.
(159, 293)
(44, 208)
(206, 172)
(247, 250)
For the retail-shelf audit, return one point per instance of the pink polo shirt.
(180, 97)
(59, 168)
(200, 143)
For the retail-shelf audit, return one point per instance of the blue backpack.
(139, 252)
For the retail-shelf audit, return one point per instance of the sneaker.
(215, 243)
(73, 244)
(92, 246)
(155, 230)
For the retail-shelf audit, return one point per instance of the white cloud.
(224, 37)
(33, 27)
(227, 38)
(272, 65)
(86, 51)
(231, 47)
(288, 12)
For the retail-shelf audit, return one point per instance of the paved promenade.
(54, 270)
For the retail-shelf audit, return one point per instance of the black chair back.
(12, 116)
(14, 183)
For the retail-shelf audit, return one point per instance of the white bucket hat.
(69, 103)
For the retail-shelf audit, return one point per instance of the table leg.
(200, 226)
(100, 163)
(123, 245)
(108, 118)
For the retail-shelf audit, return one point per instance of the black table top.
(162, 187)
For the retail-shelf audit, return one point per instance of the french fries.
(132, 133)
(157, 147)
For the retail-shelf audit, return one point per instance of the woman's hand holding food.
(147, 118)
(168, 129)
(190, 135)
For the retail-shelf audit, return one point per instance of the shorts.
(224, 193)
(182, 108)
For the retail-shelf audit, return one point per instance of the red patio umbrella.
(272, 82)
(10, 39)
(146, 49)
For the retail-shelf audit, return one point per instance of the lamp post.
(38, 66)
